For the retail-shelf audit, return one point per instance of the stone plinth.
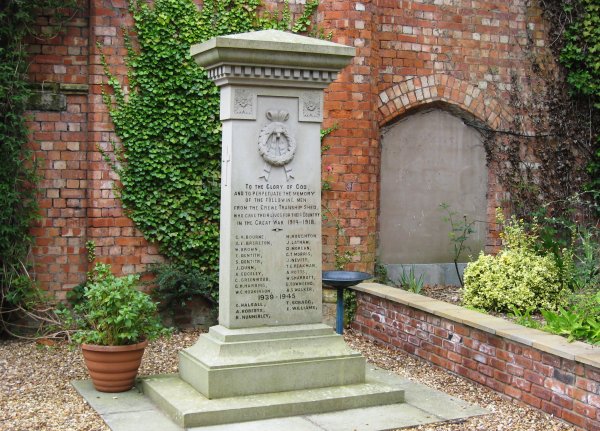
(229, 363)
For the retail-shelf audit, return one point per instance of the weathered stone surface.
(47, 101)
(270, 355)
(271, 50)
(264, 360)
(270, 337)
(191, 409)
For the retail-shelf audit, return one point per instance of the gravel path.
(35, 393)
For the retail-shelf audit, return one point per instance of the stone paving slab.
(125, 411)
(131, 411)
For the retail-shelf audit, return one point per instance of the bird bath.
(340, 280)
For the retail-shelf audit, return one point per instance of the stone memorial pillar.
(270, 338)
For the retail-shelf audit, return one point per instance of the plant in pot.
(113, 322)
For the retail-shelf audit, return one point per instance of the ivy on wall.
(575, 32)
(581, 51)
(581, 56)
(547, 161)
(168, 123)
(18, 206)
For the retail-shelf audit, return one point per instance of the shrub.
(114, 312)
(517, 278)
(176, 286)
(513, 278)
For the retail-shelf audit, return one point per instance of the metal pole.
(339, 322)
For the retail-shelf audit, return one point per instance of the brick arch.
(415, 92)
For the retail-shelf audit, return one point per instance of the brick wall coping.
(540, 340)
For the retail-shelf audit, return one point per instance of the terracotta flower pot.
(113, 368)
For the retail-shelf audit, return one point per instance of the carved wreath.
(275, 144)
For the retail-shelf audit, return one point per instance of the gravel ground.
(35, 393)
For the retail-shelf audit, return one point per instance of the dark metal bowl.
(344, 278)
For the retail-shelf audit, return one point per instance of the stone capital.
(272, 58)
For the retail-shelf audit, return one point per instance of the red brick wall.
(566, 389)
(117, 240)
(76, 192)
(457, 54)
(60, 143)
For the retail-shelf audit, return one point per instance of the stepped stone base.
(188, 408)
(238, 375)
(235, 362)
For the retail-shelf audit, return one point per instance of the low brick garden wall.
(528, 365)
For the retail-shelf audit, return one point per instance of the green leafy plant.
(350, 306)
(381, 273)
(586, 255)
(113, 312)
(77, 294)
(409, 281)
(524, 317)
(581, 52)
(460, 230)
(516, 277)
(176, 286)
(573, 243)
(573, 325)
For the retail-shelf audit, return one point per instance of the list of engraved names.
(276, 248)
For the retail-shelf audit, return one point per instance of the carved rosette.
(243, 103)
(276, 145)
(310, 107)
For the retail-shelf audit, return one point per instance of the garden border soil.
(539, 369)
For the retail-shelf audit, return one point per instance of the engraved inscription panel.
(273, 251)
(275, 243)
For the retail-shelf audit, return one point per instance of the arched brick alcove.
(428, 158)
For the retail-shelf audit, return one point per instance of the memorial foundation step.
(234, 362)
(189, 408)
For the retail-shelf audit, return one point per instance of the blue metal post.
(339, 322)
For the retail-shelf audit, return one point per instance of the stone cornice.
(270, 75)
(272, 57)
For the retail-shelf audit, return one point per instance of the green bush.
(513, 278)
(176, 286)
(114, 312)
(516, 278)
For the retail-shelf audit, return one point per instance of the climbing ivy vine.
(18, 206)
(168, 161)
(581, 56)
(548, 159)
(575, 30)
(581, 51)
